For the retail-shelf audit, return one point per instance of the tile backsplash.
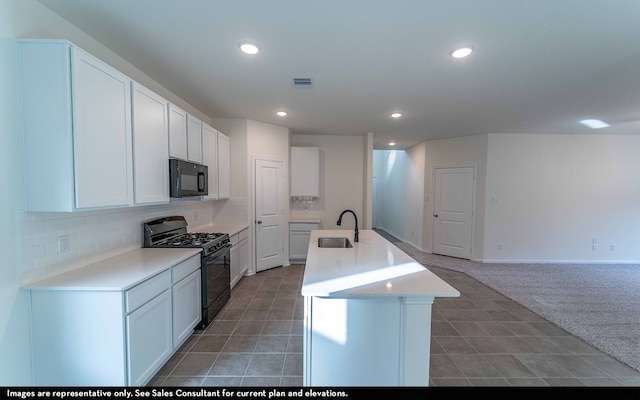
(96, 235)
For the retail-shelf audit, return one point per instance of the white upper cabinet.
(77, 129)
(305, 171)
(177, 132)
(224, 166)
(194, 139)
(210, 159)
(150, 146)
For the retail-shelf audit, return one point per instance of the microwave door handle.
(201, 182)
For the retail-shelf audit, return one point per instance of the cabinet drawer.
(185, 268)
(147, 290)
(298, 226)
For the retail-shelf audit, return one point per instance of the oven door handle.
(219, 252)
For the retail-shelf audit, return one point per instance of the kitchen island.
(367, 313)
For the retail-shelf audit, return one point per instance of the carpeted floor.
(597, 303)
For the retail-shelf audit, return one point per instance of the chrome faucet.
(339, 223)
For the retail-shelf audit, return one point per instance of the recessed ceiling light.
(461, 52)
(281, 113)
(392, 143)
(396, 115)
(249, 47)
(594, 123)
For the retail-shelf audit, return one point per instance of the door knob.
(259, 221)
(435, 215)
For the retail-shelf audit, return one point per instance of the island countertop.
(372, 267)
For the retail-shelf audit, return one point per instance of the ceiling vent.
(302, 83)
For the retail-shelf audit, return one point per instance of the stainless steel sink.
(334, 242)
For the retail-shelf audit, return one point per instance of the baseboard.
(590, 262)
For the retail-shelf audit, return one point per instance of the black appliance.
(215, 256)
(187, 179)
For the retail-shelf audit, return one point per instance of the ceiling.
(539, 66)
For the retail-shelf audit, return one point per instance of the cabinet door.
(210, 158)
(194, 139)
(235, 264)
(149, 338)
(224, 167)
(299, 234)
(305, 171)
(244, 258)
(102, 133)
(177, 132)
(150, 146)
(187, 307)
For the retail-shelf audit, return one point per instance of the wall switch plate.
(64, 244)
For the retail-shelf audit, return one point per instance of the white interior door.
(269, 212)
(453, 211)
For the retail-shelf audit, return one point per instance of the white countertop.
(116, 273)
(372, 267)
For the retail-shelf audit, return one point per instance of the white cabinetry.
(185, 135)
(177, 132)
(150, 146)
(210, 159)
(239, 256)
(187, 305)
(102, 336)
(77, 129)
(148, 328)
(305, 171)
(299, 234)
(224, 166)
(194, 139)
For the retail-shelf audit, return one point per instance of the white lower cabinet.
(299, 234)
(108, 337)
(187, 295)
(239, 256)
(149, 338)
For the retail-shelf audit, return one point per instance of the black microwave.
(187, 179)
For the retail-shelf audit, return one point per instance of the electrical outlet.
(594, 247)
(613, 247)
(499, 246)
(64, 244)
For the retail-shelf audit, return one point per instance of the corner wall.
(401, 192)
(342, 175)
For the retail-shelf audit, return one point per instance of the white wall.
(548, 196)
(400, 176)
(342, 174)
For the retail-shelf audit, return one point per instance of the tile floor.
(479, 339)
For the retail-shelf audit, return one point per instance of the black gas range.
(171, 232)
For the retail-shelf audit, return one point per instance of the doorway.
(453, 216)
(269, 212)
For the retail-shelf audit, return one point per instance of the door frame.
(252, 211)
(473, 203)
